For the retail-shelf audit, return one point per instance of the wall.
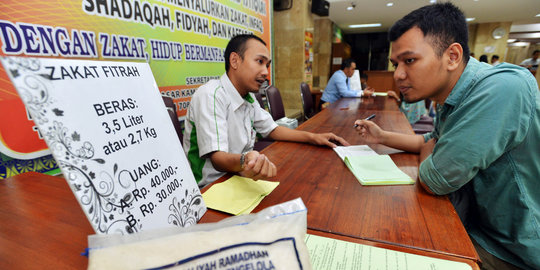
(322, 49)
(289, 34)
(483, 40)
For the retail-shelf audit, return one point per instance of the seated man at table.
(339, 84)
(485, 146)
(223, 118)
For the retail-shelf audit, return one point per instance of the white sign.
(108, 129)
(355, 82)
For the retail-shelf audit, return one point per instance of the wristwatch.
(242, 159)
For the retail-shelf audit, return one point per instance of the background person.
(495, 60)
(483, 58)
(532, 63)
(413, 111)
(339, 84)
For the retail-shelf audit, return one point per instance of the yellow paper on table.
(238, 195)
(377, 170)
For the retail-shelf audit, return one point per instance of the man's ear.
(234, 60)
(454, 55)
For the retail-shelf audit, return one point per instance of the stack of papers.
(370, 168)
(328, 253)
(238, 195)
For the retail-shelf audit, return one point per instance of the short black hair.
(536, 51)
(495, 56)
(444, 23)
(237, 44)
(483, 58)
(347, 63)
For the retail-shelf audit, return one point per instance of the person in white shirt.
(223, 118)
(495, 60)
(532, 63)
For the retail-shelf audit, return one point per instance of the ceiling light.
(470, 19)
(519, 44)
(364, 25)
(510, 40)
(389, 4)
(433, 1)
(537, 15)
(352, 6)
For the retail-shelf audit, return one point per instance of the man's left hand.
(328, 139)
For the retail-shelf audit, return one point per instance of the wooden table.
(42, 225)
(404, 216)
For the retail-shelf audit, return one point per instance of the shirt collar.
(236, 99)
(467, 77)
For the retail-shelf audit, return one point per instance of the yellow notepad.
(377, 170)
(238, 195)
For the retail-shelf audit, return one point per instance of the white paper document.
(354, 150)
(328, 253)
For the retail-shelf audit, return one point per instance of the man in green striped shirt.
(223, 118)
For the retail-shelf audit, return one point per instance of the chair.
(260, 144)
(259, 98)
(171, 109)
(275, 103)
(307, 100)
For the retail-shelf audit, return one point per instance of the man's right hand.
(369, 132)
(393, 94)
(368, 92)
(258, 166)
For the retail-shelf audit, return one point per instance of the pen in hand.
(367, 118)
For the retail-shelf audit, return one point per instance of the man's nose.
(265, 72)
(399, 73)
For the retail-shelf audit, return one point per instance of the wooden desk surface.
(337, 203)
(42, 225)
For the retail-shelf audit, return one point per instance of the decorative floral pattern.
(183, 213)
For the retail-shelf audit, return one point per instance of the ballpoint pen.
(367, 118)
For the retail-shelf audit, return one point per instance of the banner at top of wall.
(182, 40)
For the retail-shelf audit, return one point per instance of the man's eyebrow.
(405, 53)
(401, 55)
(264, 56)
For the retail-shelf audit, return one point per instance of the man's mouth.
(260, 81)
(404, 89)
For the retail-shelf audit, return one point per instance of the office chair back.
(307, 100)
(171, 109)
(259, 98)
(275, 103)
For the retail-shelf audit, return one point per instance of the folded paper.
(238, 195)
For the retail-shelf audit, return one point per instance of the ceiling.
(521, 13)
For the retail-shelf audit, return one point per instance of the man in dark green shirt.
(486, 142)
